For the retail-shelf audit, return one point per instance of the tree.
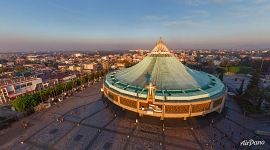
(26, 102)
(267, 93)
(96, 75)
(35, 98)
(20, 69)
(19, 104)
(210, 63)
(102, 73)
(254, 81)
(84, 79)
(78, 82)
(220, 72)
(45, 94)
(224, 63)
(69, 85)
(59, 89)
(253, 92)
(240, 90)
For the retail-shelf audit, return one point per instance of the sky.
(40, 25)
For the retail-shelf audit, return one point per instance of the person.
(62, 119)
(212, 122)
(24, 124)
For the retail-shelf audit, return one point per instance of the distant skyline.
(41, 25)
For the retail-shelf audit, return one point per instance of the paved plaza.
(234, 82)
(88, 121)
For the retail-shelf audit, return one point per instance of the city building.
(15, 88)
(90, 67)
(161, 86)
(120, 65)
(75, 68)
(77, 55)
(32, 57)
(105, 65)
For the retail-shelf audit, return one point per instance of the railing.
(169, 109)
(180, 109)
(112, 96)
(127, 102)
(200, 107)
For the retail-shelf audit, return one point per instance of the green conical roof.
(173, 80)
(165, 70)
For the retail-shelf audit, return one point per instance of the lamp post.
(261, 65)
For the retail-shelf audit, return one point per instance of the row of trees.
(244, 98)
(29, 101)
(254, 95)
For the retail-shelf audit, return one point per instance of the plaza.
(93, 122)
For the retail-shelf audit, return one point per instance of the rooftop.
(168, 74)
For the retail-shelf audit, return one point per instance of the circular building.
(161, 86)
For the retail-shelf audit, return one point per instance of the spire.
(160, 41)
(160, 47)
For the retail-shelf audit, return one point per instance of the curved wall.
(165, 109)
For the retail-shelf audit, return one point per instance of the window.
(17, 87)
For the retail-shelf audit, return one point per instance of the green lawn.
(238, 69)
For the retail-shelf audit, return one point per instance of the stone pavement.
(90, 122)
(233, 84)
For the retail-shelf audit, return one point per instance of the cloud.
(191, 19)
(194, 2)
(197, 14)
(180, 24)
(154, 18)
(194, 18)
(260, 1)
(203, 2)
(221, 2)
(251, 9)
